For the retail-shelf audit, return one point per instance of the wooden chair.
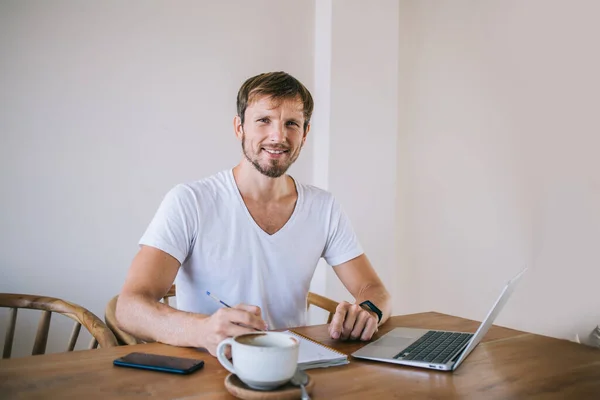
(323, 302)
(125, 338)
(111, 319)
(101, 334)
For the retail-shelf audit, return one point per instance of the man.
(252, 236)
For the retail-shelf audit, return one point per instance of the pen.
(215, 298)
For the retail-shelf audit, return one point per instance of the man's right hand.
(229, 322)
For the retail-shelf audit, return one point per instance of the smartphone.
(157, 362)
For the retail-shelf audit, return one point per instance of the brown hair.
(278, 86)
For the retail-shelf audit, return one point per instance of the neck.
(256, 186)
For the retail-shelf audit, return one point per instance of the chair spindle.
(41, 338)
(10, 333)
(74, 336)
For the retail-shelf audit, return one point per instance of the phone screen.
(158, 362)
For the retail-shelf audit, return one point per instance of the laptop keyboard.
(435, 347)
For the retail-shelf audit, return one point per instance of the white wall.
(321, 131)
(106, 105)
(357, 72)
(498, 160)
(364, 120)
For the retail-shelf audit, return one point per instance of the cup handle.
(221, 355)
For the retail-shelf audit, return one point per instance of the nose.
(277, 134)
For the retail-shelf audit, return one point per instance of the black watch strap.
(373, 308)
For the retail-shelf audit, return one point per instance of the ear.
(305, 134)
(237, 127)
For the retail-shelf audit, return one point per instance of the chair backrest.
(101, 334)
(322, 302)
(111, 319)
(125, 338)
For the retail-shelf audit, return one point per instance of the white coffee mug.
(262, 360)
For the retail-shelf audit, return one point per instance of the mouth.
(275, 153)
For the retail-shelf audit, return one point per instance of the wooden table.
(508, 364)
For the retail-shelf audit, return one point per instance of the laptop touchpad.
(386, 347)
(391, 343)
(395, 342)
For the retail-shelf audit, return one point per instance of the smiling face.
(272, 134)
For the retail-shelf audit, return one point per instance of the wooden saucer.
(288, 391)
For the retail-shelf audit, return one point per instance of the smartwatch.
(373, 308)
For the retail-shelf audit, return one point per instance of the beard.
(273, 168)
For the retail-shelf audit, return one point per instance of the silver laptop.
(425, 348)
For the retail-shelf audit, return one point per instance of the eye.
(292, 123)
(264, 120)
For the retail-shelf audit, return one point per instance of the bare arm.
(140, 312)
(361, 280)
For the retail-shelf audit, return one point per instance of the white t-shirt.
(206, 226)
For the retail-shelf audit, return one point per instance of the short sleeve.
(175, 225)
(342, 244)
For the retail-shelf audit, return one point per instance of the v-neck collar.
(251, 220)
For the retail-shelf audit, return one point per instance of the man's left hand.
(351, 321)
